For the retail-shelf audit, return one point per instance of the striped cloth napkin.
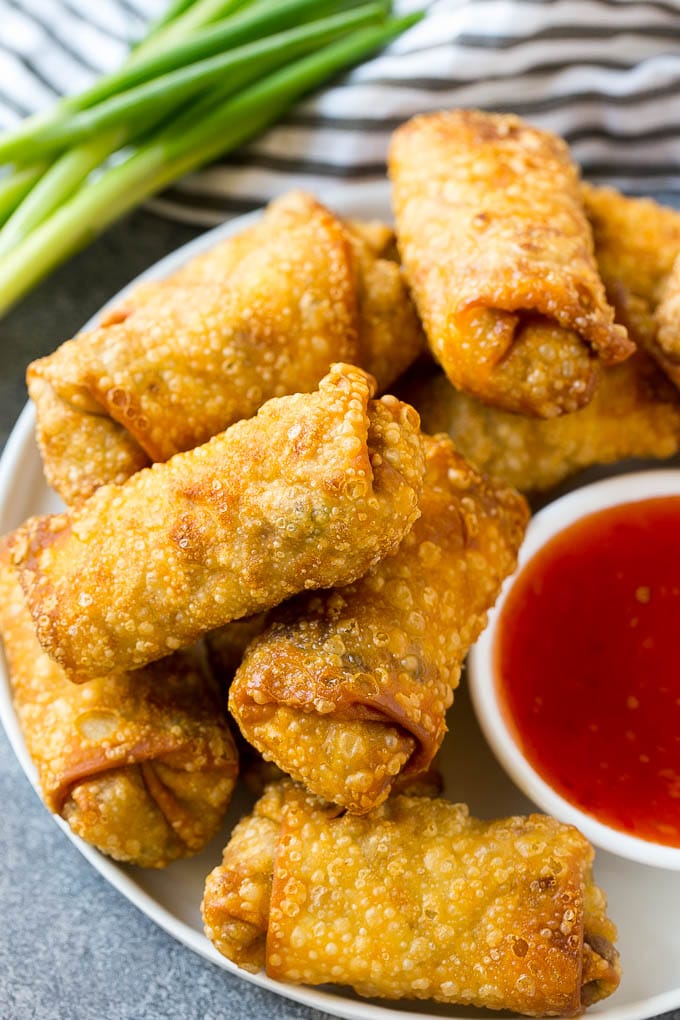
(604, 74)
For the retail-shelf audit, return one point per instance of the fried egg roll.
(141, 766)
(262, 314)
(347, 689)
(415, 901)
(635, 413)
(310, 493)
(226, 647)
(499, 256)
(637, 242)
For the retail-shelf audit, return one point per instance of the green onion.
(243, 27)
(211, 75)
(146, 52)
(140, 107)
(57, 184)
(253, 23)
(172, 11)
(71, 169)
(15, 185)
(180, 23)
(178, 151)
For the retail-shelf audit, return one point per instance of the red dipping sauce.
(587, 662)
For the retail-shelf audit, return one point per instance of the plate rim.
(18, 444)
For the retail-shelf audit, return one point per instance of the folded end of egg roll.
(237, 893)
(81, 448)
(351, 758)
(141, 765)
(499, 255)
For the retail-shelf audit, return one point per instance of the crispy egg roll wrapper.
(80, 447)
(499, 255)
(637, 242)
(415, 901)
(141, 766)
(347, 689)
(668, 319)
(263, 314)
(226, 647)
(310, 493)
(635, 413)
(237, 896)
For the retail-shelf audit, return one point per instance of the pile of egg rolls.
(292, 474)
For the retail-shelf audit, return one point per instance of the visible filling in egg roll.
(310, 493)
(346, 689)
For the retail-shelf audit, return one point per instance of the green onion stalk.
(251, 26)
(114, 123)
(112, 83)
(146, 104)
(200, 131)
(15, 185)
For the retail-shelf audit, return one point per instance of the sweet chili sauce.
(587, 662)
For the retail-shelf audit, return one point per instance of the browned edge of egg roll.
(347, 689)
(499, 255)
(141, 766)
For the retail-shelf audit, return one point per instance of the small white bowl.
(554, 518)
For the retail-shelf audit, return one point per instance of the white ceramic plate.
(644, 902)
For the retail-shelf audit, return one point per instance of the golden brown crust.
(499, 255)
(635, 413)
(263, 314)
(417, 900)
(310, 493)
(81, 449)
(225, 648)
(141, 766)
(237, 893)
(345, 690)
(637, 242)
(668, 319)
(390, 333)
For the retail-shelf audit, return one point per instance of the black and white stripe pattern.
(604, 74)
